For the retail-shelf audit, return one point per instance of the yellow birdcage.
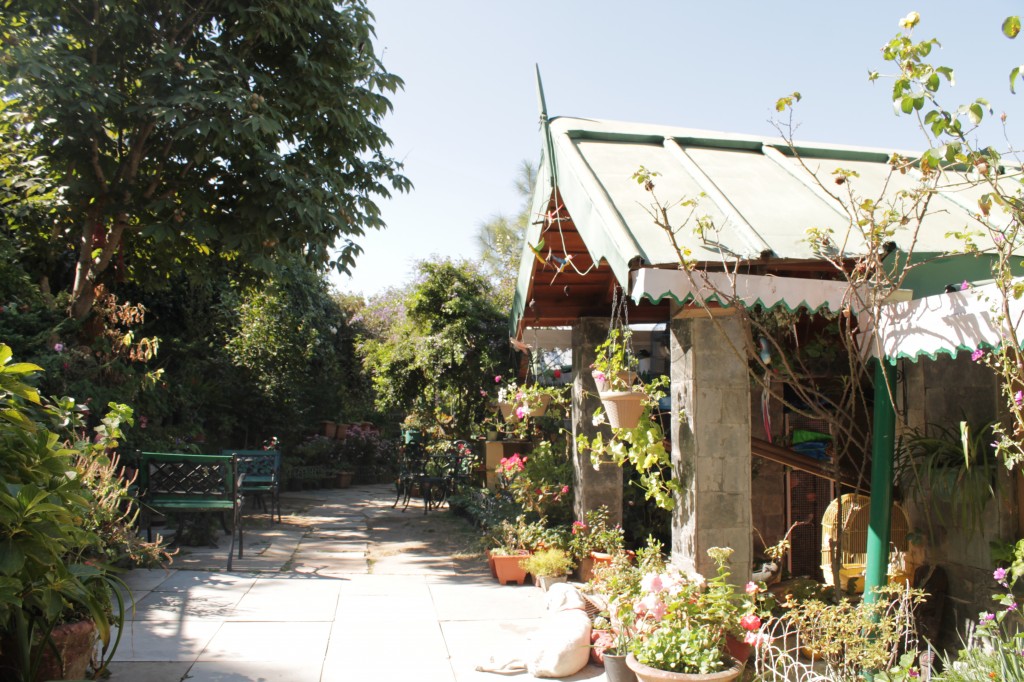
(854, 546)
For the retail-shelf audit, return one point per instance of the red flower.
(750, 622)
(558, 374)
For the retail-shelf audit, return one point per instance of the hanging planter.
(540, 407)
(625, 378)
(624, 408)
(508, 411)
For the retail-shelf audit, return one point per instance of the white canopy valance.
(946, 323)
(767, 291)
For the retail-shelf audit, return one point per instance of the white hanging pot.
(624, 408)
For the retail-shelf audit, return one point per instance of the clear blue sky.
(468, 115)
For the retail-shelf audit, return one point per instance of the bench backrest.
(171, 474)
(256, 462)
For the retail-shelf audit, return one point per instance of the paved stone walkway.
(345, 589)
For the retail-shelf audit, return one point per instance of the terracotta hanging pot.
(624, 408)
(508, 411)
(542, 408)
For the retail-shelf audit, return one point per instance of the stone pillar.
(593, 488)
(710, 442)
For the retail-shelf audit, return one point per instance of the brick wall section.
(711, 444)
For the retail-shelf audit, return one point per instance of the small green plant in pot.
(548, 566)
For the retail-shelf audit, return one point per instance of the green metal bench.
(262, 476)
(179, 483)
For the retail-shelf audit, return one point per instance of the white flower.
(910, 21)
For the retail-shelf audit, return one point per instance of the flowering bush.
(541, 485)
(682, 621)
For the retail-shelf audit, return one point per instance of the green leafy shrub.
(548, 563)
(63, 520)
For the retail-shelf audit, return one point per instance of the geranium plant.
(615, 367)
(643, 446)
(682, 621)
(595, 534)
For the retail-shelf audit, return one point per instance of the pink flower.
(752, 588)
(598, 375)
(521, 412)
(986, 616)
(977, 355)
(757, 639)
(565, 489)
(58, 347)
(1018, 398)
(578, 527)
(483, 393)
(1000, 573)
(750, 622)
(652, 583)
(497, 379)
(652, 606)
(965, 285)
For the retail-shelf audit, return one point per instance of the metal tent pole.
(883, 439)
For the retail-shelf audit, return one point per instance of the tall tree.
(183, 129)
(433, 354)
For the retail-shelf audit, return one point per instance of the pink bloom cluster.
(512, 465)
(578, 527)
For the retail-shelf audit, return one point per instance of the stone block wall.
(711, 443)
(593, 488)
(946, 391)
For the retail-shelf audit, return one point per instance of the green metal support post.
(883, 438)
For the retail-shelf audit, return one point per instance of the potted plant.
(519, 402)
(548, 566)
(619, 586)
(594, 541)
(507, 551)
(644, 446)
(614, 367)
(683, 621)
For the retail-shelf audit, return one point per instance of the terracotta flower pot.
(645, 673)
(737, 648)
(330, 429)
(75, 642)
(507, 568)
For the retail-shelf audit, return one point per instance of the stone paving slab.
(345, 588)
(268, 641)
